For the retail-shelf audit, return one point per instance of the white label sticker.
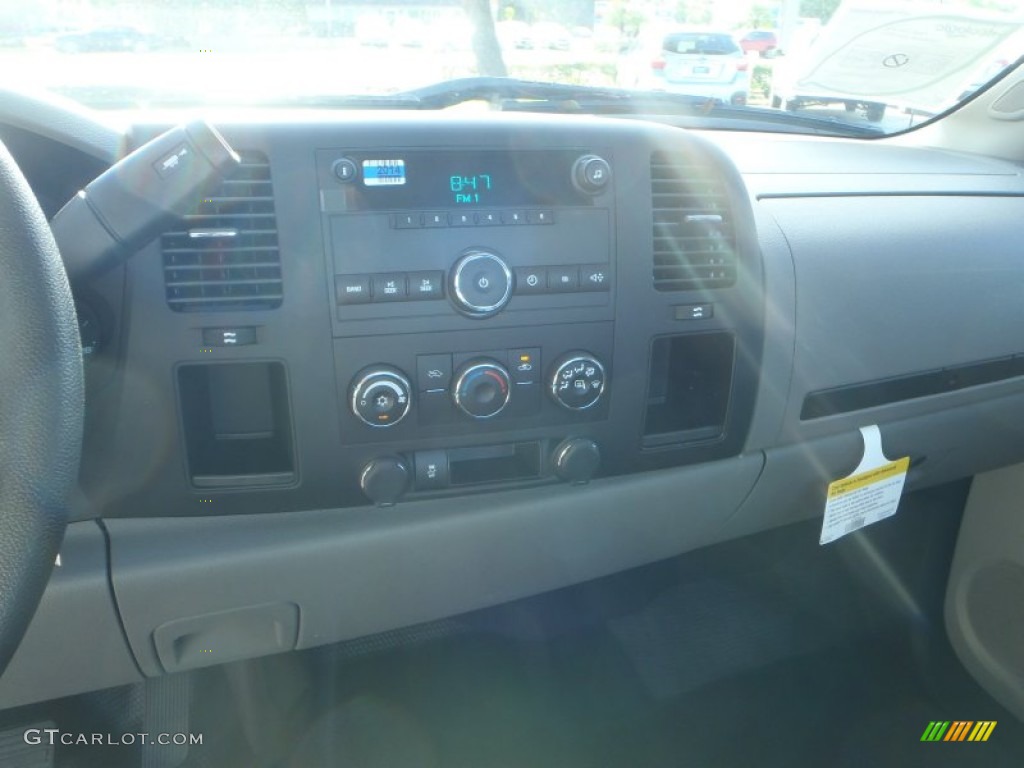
(383, 173)
(870, 494)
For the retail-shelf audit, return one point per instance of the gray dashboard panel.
(74, 643)
(357, 572)
(899, 285)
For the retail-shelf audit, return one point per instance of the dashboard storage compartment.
(688, 391)
(237, 424)
(494, 463)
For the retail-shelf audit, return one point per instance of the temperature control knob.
(591, 174)
(481, 284)
(481, 388)
(381, 396)
(578, 381)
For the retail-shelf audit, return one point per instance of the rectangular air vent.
(225, 255)
(694, 241)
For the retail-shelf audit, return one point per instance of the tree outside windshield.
(818, 56)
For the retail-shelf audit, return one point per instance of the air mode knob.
(577, 381)
(480, 283)
(482, 388)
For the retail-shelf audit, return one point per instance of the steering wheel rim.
(41, 404)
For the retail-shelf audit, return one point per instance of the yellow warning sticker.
(870, 494)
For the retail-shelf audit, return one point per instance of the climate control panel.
(476, 387)
(416, 392)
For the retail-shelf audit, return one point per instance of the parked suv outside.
(691, 62)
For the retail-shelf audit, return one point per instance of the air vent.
(225, 256)
(694, 242)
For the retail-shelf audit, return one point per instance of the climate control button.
(482, 389)
(481, 284)
(577, 382)
(381, 396)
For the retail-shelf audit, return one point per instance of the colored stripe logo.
(958, 730)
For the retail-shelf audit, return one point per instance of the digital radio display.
(419, 180)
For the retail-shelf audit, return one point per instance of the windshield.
(885, 65)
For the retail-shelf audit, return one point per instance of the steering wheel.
(41, 404)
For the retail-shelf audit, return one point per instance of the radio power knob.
(480, 283)
(591, 174)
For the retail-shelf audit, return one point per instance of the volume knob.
(481, 284)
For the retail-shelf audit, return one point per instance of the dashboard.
(429, 312)
(400, 366)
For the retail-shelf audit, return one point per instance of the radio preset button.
(513, 217)
(408, 221)
(540, 217)
(435, 219)
(481, 284)
(463, 219)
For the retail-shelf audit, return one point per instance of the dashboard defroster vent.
(694, 241)
(225, 254)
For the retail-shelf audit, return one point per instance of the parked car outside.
(116, 39)
(690, 61)
(763, 42)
